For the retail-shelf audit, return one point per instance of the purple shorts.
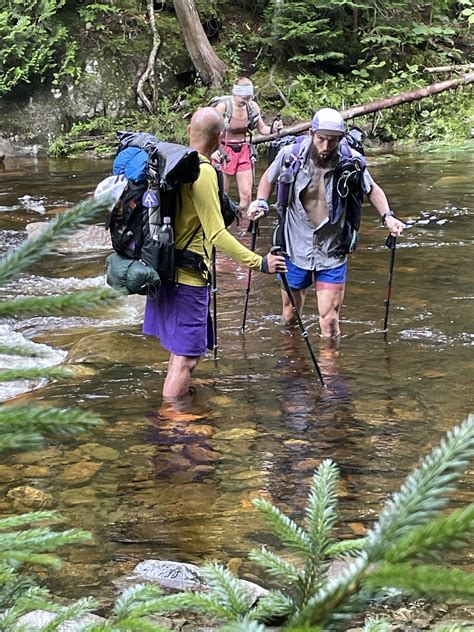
(179, 316)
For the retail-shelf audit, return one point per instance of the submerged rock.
(179, 576)
(40, 619)
(30, 497)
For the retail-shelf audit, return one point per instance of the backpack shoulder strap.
(228, 112)
(253, 116)
(296, 154)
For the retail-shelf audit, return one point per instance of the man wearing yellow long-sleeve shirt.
(179, 313)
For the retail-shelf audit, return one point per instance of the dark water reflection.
(149, 484)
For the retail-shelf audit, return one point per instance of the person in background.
(236, 155)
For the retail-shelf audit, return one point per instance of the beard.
(323, 160)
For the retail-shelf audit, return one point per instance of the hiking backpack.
(154, 170)
(252, 114)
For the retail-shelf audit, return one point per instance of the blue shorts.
(300, 279)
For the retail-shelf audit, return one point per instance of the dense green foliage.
(347, 34)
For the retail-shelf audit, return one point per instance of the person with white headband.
(241, 116)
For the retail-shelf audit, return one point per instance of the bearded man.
(315, 227)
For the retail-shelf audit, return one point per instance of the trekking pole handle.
(277, 250)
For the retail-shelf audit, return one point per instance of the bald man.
(179, 312)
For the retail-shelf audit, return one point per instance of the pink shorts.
(239, 160)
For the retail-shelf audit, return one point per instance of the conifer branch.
(22, 557)
(329, 597)
(276, 566)
(51, 373)
(15, 522)
(75, 302)
(39, 539)
(291, 535)
(54, 420)
(24, 351)
(321, 510)
(420, 497)
(422, 580)
(32, 597)
(345, 548)
(16, 440)
(71, 613)
(32, 250)
(227, 589)
(377, 624)
(443, 533)
(245, 625)
(273, 604)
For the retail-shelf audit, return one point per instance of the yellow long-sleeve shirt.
(198, 213)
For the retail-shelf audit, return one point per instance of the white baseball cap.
(328, 121)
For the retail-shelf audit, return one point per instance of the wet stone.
(36, 471)
(39, 619)
(27, 458)
(30, 497)
(9, 474)
(236, 434)
(100, 452)
(78, 496)
(80, 473)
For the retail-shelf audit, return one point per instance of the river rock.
(30, 497)
(179, 576)
(36, 471)
(117, 347)
(9, 474)
(80, 473)
(78, 496)
(100, 452)
(40, 619)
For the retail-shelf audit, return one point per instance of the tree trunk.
(149, 74)
(367, 108)
(208, 65)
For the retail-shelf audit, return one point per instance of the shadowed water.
(179, 486)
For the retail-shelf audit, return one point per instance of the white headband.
(242, 91)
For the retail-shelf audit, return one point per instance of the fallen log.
(452, 68)
(375, 106)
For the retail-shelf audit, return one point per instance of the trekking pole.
(276, 250)
(253, 243)
(214, 303)
(253, 228)
(391, 242)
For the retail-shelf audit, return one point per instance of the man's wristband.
(263, 204)
(385, 215)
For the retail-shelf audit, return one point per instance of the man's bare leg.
(330, 296)
(288, 314)
(178, 377)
